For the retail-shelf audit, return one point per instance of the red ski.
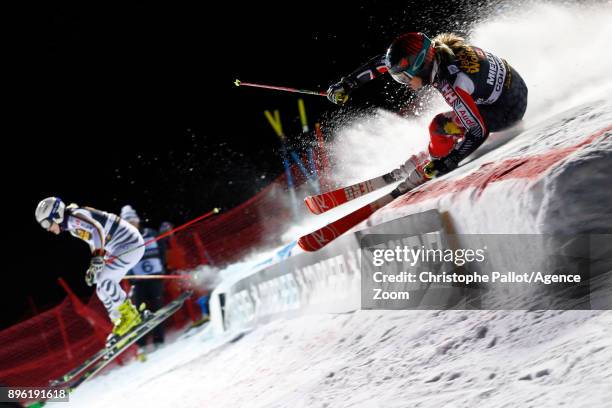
(318, 204)
(323, 236)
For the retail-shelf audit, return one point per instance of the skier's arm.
(372, 69)
(339, 92)
(475, 133)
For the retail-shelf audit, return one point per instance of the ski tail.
(323, 236)
(75, 372)
(320, 203)
(104, 357)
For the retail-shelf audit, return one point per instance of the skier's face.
(412, 81)
(54, 228)
(415, 83)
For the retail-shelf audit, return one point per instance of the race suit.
(484, 91)
(117, 239)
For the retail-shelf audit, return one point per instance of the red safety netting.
(230, 236)
(50, 344)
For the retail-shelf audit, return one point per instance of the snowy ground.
(372, 359)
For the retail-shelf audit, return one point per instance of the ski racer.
(116, 247)
(484, 91)
(150, 291)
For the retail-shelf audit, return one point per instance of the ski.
(320, 203)
(323, 236)
(105, 356)
(66, 378)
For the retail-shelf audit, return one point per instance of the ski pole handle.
(280, 88)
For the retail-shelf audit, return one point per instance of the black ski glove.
(438, 167)
(339, 92)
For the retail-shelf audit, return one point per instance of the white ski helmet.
(50, 210)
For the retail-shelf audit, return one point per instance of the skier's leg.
(139, 298)
(108, 286)
(111, 295)
(157, 296)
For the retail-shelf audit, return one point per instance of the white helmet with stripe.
(50, 210)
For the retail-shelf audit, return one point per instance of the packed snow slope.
(550, 176)
(427, 359)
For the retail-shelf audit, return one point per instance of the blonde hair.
(447, 45)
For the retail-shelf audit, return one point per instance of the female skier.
(116, 247)
(484, 91)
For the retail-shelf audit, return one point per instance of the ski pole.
(165, 234)
(280, 88)
(140, 277)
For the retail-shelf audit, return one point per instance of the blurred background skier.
(148, 291)
(484, 91)
(116, 247)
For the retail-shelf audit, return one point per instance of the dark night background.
(135, 104)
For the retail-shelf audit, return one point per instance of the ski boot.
(130, 318)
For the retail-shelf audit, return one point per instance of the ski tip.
(312, 206)
(307, 245)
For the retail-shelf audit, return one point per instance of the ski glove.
(415, 161)
(339, 92)
(414, 179)
(438, 167)
(95, 266)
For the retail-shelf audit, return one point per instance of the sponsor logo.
(452, 69)
(322, 237)
(466, 117)
(493, 74)
(321, 203)
(84, 235)
(358, 190)
(495, 77)
(468, 60)
(448, 93)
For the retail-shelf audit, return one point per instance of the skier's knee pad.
(444, 131)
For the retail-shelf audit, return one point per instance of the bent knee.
(444, 131)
